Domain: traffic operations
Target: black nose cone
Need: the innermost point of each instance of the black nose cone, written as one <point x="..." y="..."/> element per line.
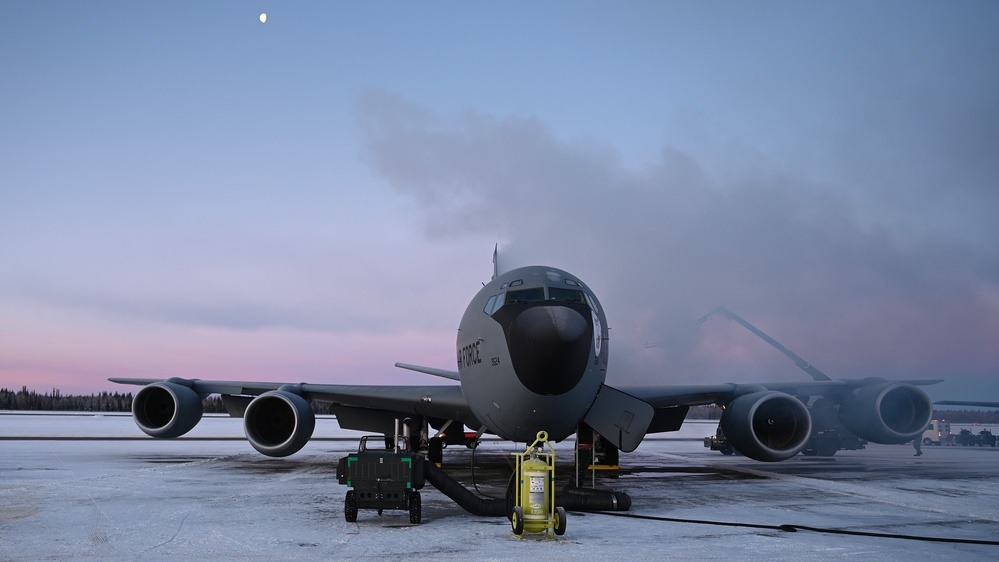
<point x="549" y="345"/>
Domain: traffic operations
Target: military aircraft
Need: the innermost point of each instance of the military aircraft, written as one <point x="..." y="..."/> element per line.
<point x="532" y="354"/>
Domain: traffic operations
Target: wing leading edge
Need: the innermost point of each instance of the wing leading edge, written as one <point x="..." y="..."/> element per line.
<point x="775" y="421"/>
<point x="722" y="394"/>
<point x="362" y="407"/>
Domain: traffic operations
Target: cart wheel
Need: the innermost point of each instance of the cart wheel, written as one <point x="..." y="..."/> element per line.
<point x="350" y="507"/>
<point x="517" y="520"/>
<point x="559" y="521"/>
<point x="415" y="509"/>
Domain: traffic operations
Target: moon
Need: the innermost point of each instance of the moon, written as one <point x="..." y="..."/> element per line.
<point x="263" y="17"/>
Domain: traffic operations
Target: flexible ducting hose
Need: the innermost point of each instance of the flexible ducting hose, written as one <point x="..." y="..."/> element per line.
<point x="570" y="497"/>
<point x="486" y="507"/>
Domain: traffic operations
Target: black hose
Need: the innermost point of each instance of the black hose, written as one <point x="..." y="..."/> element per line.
<point x="462" y="496"/>
<point x="570" y="497"/>
<point x="591" y="499"/>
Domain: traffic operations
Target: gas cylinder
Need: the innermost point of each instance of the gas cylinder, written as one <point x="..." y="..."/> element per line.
<point x="535" y="493"/>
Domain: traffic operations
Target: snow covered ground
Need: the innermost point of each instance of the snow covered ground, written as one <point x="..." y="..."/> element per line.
<point x="126" y="497"/>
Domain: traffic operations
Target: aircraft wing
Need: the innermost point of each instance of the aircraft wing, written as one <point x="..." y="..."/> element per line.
<point x="362" y="407"/>
<point x="682" y="395"/>
<point x="624" y="415"/>
<point x="697" y="395"/>
<point x="774" y="421"/>
<point x="444" y="373"/>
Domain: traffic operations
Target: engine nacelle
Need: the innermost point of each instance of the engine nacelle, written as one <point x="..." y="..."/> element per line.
<point x="767" y="425"/>
<point x="166" y="409"/>
<point x="887" y="413"/>
<point x="279" y="423"/>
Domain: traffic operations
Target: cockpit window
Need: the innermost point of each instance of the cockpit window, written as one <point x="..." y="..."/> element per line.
<point x="565" y="295"/>
<point x="494" y="303"/>
<point x="536" y="294"/>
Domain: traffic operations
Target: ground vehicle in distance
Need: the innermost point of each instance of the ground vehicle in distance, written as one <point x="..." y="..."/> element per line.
<point x="968" y="438"/>
<point x="938" y="433"/>
<point x="986" y="438"/>
<point x="965" y="438"/>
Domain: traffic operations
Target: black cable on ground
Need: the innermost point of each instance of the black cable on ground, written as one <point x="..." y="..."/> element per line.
<point x="472" y="469"/>
<point x="795" y="528"/>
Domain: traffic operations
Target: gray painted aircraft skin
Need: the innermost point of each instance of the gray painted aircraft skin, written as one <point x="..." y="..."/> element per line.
<point x="532" y="354"/>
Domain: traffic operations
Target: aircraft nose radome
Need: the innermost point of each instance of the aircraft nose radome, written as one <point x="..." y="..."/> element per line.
<point x="550" y="346"/>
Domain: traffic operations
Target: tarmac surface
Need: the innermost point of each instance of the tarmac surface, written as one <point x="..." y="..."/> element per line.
<point x="89" y="487"/>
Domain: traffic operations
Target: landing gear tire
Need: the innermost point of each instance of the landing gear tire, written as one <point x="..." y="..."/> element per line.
<point x="350" y="507"/>
<point x="827" y="448"/>
<point x="560" y="521"/>
<point x="517" y="520"/>
<point x="415" y="509"/>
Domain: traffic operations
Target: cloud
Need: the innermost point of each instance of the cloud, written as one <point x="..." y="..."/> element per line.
<point x="663" y="244"/>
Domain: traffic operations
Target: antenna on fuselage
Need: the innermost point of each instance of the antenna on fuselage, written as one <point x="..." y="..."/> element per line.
<point x="495" y="263"/>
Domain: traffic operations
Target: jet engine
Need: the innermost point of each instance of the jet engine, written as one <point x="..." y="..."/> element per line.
<point x="166" y="409"/>
<point x="887" y="413"/>
<point x="279" y="423"/>
<point x="767" y="425"/>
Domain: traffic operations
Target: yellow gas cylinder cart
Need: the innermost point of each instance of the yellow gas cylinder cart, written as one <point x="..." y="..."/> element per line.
<point x="534" y="492"/>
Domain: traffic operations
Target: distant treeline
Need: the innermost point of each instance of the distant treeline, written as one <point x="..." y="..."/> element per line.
<point x="25" y="399"/>
<point x="708" y="412"/>
<point x="990" y="417"/>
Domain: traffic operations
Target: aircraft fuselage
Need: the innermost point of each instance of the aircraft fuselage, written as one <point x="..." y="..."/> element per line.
<point x="532" y="353"/>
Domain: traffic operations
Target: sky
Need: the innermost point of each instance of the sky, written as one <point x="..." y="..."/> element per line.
<point x="186" y="191"/>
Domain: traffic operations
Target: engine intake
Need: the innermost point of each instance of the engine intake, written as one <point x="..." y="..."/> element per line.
<point x="279" y="423"/>
<point x="767" y="426"/>
<point x="887" y="413"/>
<point x="166" y="409"/>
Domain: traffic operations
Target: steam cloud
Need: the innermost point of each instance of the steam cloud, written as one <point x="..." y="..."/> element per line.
<point x="820" y="269"/>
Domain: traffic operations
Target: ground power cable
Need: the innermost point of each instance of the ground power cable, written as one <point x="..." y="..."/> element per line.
<point x="472" y="469"/>
<point x="796" y="528"/>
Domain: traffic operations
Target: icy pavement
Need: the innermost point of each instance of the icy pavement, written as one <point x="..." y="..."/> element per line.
<point x="214" y="497"/>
